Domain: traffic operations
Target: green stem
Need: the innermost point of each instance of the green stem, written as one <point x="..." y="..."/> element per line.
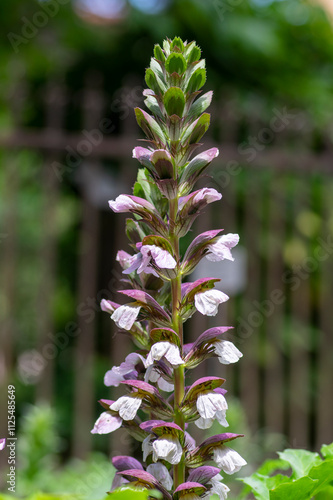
<point x="179" y="375"/>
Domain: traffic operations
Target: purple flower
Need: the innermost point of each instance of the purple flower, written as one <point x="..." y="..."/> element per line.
<point x="117" y="374"/>
<point x="220" y="249"/>
<point x="151" y="255"/>
<point x="106" y="423"/>
<point x="207" y="302"/>
<point x="128" y="203"/>
<point x="2" y="443"/>
<point x="202" y="196"/>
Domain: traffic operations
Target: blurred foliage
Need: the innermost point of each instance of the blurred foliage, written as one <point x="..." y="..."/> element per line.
<point x="308" y="476"/>
<point x="39" y="469"/>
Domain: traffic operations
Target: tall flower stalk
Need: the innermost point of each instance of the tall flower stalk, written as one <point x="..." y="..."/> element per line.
<point x="163" y="208"/>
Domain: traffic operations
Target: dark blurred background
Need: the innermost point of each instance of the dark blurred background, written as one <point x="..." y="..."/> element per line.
<point x="71" y="73"/>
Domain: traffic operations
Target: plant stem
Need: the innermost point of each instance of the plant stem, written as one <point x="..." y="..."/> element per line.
<point x="179" y="378"/>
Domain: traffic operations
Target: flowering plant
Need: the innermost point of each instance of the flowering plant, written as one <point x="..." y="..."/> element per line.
<point x="164" y="207"/>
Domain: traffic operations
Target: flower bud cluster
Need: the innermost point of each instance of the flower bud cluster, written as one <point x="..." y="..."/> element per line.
<point x="157" y="407"/>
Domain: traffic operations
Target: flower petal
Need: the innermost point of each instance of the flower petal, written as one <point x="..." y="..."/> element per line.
<point x="227" y="352"/>
<point x="220" y="249"/>
<point x="207" y="302"/>
<point x="228" y="459"/>
<point x="127" y="406"/>
<point x="209" y="403"/>
<point x="125" y="316"/>
<point x="161" y="473"/>
<point x="167" y="448"/>
<point x="169" y="351"/>
<point x="106" y="423"/>
<point x="2" y="443"/>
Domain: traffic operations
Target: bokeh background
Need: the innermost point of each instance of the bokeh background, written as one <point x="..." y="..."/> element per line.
<point x="71" y="72"/>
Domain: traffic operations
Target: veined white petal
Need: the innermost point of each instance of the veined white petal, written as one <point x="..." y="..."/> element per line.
<point x="218" y="488"/>
<point x="228" y="459"/>
<point x="127" y="406"/>
<point x="204" y="423"/>
<point x="106" y="423"/>
<point x="164" y="385"/>
<point x="162" y="258"/>
<point x="161" y="473"/>
<point x="153" y="375"/>
<point x="208" y="403"/>
<point x="207" y="302"/>
<point x="169" y="351"/>
<point x="147" y="446"/>
<point x="221" y="418"/>
<point x="220" y="250"/>
<point x="167" y="448"/>
<point x="124" y="316"/>
<point x="227" y="352"/>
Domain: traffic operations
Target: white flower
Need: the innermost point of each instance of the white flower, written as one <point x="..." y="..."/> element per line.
<point x="123" y="203"/>
<point x="217" y="488"/>
<point x="147" y="446"/>
<point x="117" y="374"/>
<point x="206" y="423"/>
<point x="153" y="375"/>
<point x="226" y="351"/>
<point x="228" y="459"/>
<point x="125" y="316"/>
<point x="208" y="195"/>
<point x="127" y="406"/>
<point x="151" y="254"/>
<point x="220" y="250"/>
<point x="211" y="405"/>
<point x="168" y="448"/>
<point x="169" y="351"/>
<point x="106" y="423"/>
<point x="207" y="302"/>
<point x="2" y="443"/>
<point x="125" y="259"/>
<point x="161" y="473"/>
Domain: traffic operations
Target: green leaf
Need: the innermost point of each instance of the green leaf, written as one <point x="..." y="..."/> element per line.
<point x="196" y="81"/>
<point x="271" y="466"/>
<point x="327" y="450"/>
<point x="174" y="101"/>
<point x="158" y="53"/>
<point x="175" y="63"/>
<point x="152" y="105"/>
<point x="197" y="129"/>
<point x="301" y="489"/>
<point x="200" y="105"/>
<point x="130" y="493"/>
<point x="146" y="188"/>
<point x="323" y="473"/>
<point x="149" y="125"/>
<point x="258" y="486"/>
<point x="151" y="81"/>
<point x="177" y="42"/>
<point x="194" y="55"/>
<point x="300" y="461"/>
